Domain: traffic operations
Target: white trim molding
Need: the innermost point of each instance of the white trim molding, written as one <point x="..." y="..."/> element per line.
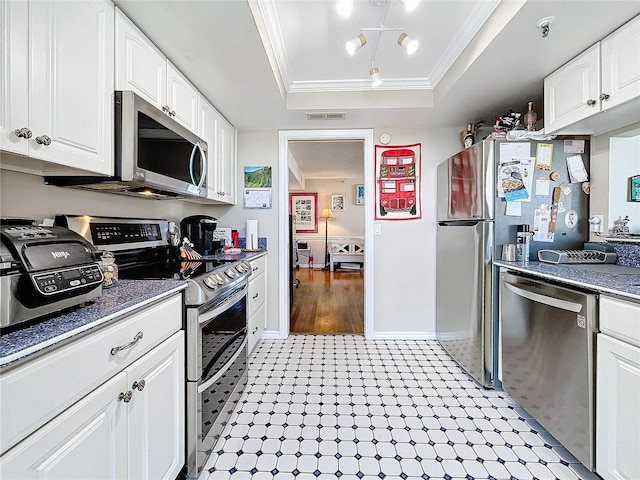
<point x="366" y="135"/>
<point x="404" y="335"/>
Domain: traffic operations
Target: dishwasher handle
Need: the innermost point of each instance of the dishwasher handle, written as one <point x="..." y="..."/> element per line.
<point x="544" y="299"/>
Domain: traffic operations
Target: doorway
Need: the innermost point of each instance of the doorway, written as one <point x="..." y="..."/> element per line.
<point x="366" y="137"/>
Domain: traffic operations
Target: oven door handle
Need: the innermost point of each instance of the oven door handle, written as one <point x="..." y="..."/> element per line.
<point x="223" y="370"/>
<point x="230" y="300"/>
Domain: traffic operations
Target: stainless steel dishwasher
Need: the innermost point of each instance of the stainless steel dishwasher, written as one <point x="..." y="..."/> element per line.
<point x="548" y="358"/>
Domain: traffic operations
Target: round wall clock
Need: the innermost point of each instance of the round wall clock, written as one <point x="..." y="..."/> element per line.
<point x="385" y="138"/>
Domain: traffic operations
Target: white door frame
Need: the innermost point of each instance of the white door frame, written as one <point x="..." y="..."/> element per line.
<point x="366" y="135"/>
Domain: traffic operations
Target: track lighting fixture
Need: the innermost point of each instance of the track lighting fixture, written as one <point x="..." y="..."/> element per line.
<point x="356" y="43"/>
<point x="408" y="43"/>
<point x="410" y="5"/>
<point x="376" y="80"/>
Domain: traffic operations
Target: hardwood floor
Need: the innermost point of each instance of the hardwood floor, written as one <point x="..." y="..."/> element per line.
<point x="328" y="302"/>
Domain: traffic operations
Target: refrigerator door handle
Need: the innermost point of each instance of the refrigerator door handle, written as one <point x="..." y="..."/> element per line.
<point x="544" y="299"/>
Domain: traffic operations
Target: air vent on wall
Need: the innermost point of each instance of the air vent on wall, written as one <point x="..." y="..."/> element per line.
<point x="326" y="116"/>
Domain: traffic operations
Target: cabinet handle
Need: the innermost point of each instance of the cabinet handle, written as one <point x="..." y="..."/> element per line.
<point x="166" y="109"/>
<point x="604" y="96"/>
<point x="254" y="269"/>
<point x="139" y="385"/>
<point x="591" y="102"/>
<point x="173" y="113"/>
<point x="135" y="340"/>
<point x="43" y="140"/>
<point x="23" y="132"/>
<point x="125" y="396"/>
<point x="255" y="296"/>
<point x="254" y="331"/>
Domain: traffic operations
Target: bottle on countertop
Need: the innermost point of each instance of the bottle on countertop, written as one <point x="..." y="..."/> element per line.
<point x="469" y="137"/>
<point x="109" y="270"/>
<point x="523" y="243"/>
<point x="530" y="118"/>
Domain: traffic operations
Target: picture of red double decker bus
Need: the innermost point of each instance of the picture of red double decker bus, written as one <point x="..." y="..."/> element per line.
<point x="397" y="181"/>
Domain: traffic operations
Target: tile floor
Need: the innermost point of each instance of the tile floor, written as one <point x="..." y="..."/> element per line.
<point x="327" y="407"/>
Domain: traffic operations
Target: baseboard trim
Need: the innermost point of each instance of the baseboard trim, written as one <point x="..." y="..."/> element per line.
<point x="404" y="336"/>
<point x="275" y="334"/>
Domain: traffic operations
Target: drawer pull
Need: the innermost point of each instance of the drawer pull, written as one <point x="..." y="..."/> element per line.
<point x="254" y="269"/>
<point x="254" y="331"/>
<point x="591" y="102"/>
<point x="125" y="396"/>
<point x="255" y="296"/>
<point x="136" y="339"/>
<point x="139" y="385"/>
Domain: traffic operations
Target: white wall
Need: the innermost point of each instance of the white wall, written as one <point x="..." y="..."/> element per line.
<point x="348" y="223"/>
<point x="624" y="162"/>
<point x="405" y="251"/>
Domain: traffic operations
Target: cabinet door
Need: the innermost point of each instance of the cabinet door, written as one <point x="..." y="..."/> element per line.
<point x="71" y="83"/>
<point x="182" y="98"/>
<point x="89" y="441"/>
<point x="228" y="162"/>
<point x="140" y="66"/>
<point x="156" y="412"/>
<point x="617" y="413"/>
<point x="256" y="326"/>
<point x="14" y="81"/>
<point x="571" y="93"/>
<point x="208" y="127"/>
<point x="621" y="65"/>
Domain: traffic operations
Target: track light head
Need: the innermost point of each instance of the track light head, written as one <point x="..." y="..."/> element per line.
<point x="376" y="80"/>
<point x="408" y="43"/>
<point x="410" y="5"/>
<point x="355" y="44"/>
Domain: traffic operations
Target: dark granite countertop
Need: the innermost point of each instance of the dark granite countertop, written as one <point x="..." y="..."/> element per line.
<point x="126" y="296"/>
<point x="616" y="280"/>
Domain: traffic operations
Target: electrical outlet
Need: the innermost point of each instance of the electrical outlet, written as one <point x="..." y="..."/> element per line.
<point x="596" y="223"/>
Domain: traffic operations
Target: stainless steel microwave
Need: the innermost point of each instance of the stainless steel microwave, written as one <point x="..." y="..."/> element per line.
<point x="155" y="156"/>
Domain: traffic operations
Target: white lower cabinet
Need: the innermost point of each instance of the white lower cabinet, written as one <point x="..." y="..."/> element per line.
<point x="132" y="426"/>
<point x="618" y="391"/>
<point x="87" y="441"/>
<point x="256" y="300"/>
<point x="95" y="411"/>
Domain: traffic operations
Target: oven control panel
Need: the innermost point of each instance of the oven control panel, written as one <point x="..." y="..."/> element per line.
<point x="59" y="281"/>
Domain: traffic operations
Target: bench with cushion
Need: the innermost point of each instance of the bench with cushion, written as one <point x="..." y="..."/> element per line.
<point x="345" y="250"/>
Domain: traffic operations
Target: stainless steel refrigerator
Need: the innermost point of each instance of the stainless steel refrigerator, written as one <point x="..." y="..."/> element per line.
<point x="473" y="226"/>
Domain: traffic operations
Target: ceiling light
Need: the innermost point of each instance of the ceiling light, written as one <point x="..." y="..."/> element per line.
<point x="356" y="43"/>
<point x="376" y="80"/>
<point x="410" y="5"/>
<point x="408" y="43"/>
<point x="344" y="7"/>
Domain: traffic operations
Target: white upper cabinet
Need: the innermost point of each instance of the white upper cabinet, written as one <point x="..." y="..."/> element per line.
<point x="221" y="141"/>
<point x="579" y="97"/>
<point x="621" y="65"/>
<point x="571" y="93"/>
<point x="57" y="88"/>
<point x="144" y="69"/>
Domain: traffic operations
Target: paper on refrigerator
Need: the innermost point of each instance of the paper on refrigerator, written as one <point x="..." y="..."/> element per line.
<point x="515" y="180"/>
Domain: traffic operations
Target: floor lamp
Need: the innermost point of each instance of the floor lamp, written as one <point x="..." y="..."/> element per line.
<point x="326" y="214"/>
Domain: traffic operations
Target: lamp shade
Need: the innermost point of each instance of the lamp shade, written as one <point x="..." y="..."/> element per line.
<point x="326" y="213"/>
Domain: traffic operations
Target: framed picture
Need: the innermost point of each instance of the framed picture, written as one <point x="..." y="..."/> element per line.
<point x="634" y="188"/>
<point x="337" y="202"/>
<point x="358" y="194"/>
<point x="304" y="208"/>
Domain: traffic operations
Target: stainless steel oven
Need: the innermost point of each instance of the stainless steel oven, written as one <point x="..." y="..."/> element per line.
<point x="216" y="366"/>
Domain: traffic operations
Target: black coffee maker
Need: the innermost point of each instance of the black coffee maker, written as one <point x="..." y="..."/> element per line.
<point x="199" y="229"/>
